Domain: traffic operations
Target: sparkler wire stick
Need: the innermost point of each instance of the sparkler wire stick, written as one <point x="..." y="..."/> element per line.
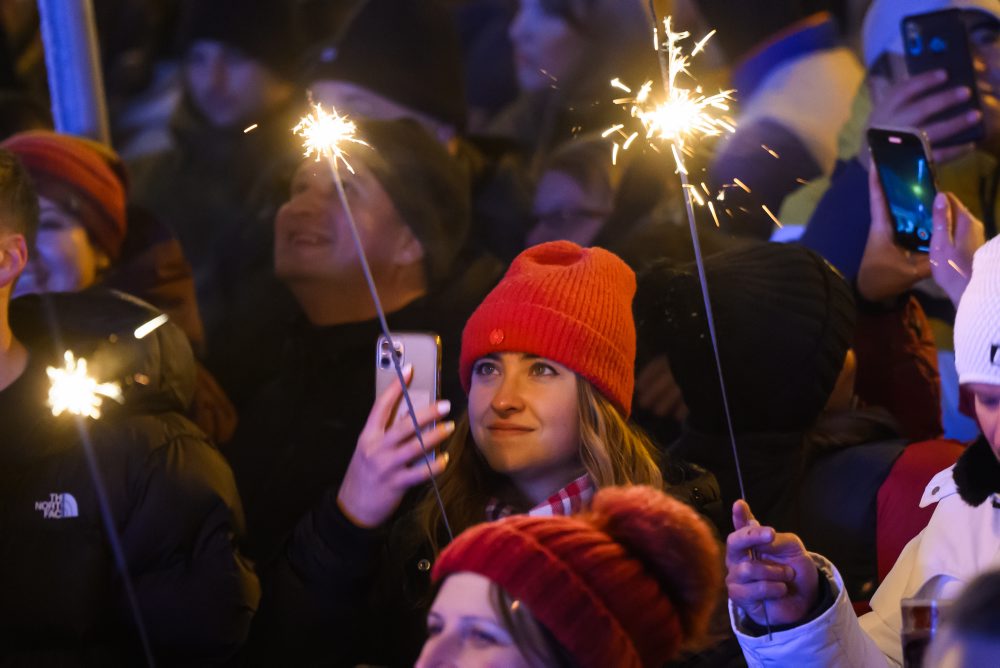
<point x="334" y="153"/>
<point x="104" y="503"/>
<point x="667" y="59"/>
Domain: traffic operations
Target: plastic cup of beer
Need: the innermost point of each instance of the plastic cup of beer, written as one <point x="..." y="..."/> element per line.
<point x="921" y="619"/>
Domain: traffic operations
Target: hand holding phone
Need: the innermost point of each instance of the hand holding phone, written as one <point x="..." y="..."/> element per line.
<point x="423" y="351"/>
<point x="939" y="41"/>
<point x="906" y="174"/>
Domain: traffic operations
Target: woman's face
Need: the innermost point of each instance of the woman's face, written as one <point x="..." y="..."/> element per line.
<point x="64" y="259"/>
<point x="463" y="629"/>
<point x="988" y="412"/>
<point x="525" y="419"/>
<point x="547" y="49"/>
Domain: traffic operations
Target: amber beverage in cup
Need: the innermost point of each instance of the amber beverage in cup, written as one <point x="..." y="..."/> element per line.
<point x="921" y="618"/>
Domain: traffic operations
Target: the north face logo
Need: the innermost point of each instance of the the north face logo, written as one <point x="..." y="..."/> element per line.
<point x="59" y="506"/>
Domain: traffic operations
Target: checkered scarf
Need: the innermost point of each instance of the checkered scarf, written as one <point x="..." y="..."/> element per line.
<point x="569" y="500"/>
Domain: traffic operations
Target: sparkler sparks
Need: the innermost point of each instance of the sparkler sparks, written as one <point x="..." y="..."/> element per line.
<point x="680" y="115"/>
<point x="73" y="391"/>
<point x="326" y="135"/>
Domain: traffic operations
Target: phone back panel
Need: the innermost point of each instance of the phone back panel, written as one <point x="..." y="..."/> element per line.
<point x="939" y="41"/>
<point x="423" y="351"/>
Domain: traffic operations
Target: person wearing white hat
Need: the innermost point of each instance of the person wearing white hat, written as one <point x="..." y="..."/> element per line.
<point x="801" y="594"/>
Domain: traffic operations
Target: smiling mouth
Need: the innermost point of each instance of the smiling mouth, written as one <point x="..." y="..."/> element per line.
<point x="509" y="429"/>
<point x="308" y="239"/>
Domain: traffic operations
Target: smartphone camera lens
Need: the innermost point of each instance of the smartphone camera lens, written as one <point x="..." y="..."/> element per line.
<point x="914" y="42"/>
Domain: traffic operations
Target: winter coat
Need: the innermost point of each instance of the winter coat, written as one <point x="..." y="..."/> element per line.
<point x="172" y="499"/>
<point x="960" y="542"/>
<point x="297" y="436"/>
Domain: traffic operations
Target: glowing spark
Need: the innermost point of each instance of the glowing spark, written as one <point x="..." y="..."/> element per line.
<point x="741" y="184"/>
<point x="695" y="195"/>
<point x="774" y="154"/>
<point x="628" y="142"/>
<point x="954" y="266"/>
<point x="144" y="330"/>
<point x="325" y="135"/>
<point x="680" y="114"/>
<point x="617" y="83"/>
<point x="772" y="216"/>
<point x="705" y="188"/>
<point x="250" y="128"/>
<point x="700" y="46"/>
<point x="614" y="153"/>
<point x="715" y="216"/>
<point x="73" y="391"/>
<point x="610" y="131"/>
<point x="802" y="182"/>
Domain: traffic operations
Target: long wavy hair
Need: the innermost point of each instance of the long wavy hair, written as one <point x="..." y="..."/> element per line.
<point x="613" y="451"/>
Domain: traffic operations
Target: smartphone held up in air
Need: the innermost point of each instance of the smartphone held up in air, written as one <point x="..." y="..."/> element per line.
<point x="423" y="351"/>
<point x="906" y="173"/>
<point x="940" y="41"/>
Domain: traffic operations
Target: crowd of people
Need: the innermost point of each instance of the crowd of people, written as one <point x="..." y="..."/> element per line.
<point x="610" y="403"/>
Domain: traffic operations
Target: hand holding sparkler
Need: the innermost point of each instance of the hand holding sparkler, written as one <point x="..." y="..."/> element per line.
<point x="327" y="135"/>
<point x="771" y="576"/>
<point x="74" y="391"/>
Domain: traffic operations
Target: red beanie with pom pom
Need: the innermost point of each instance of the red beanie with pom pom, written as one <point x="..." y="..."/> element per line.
<point x="569" y="304"/>
<point x="629" y="583"/>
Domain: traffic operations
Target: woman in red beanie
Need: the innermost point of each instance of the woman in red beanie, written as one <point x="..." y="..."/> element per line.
<point x="629" y="584"/>
<point x="547" y="361"/>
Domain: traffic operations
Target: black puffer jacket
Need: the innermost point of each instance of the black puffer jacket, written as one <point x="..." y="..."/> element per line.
<point x="172" y="498"/>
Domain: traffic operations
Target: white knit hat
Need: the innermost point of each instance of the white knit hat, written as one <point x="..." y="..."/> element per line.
<point x="881" y="31"/>
<point x="977" y="325"/>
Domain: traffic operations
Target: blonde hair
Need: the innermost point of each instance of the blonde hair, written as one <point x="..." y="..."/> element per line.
<point x="613" y="451"/>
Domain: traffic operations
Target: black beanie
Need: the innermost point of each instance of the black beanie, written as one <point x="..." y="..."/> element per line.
<point x="262" y="29"/>
<point x="744" y="25"/>
<point x="405" y="50"/>
<point x="784" y="320"/>
<point x="428" y="187"/>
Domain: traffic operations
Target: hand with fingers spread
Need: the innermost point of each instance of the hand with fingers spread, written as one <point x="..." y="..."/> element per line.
<point x="911" y="104"/>
<point x="887" y="270"/>
<point x="957" y="237"/>
<point x="387" y="462"/>
<point x="781" y="576"/>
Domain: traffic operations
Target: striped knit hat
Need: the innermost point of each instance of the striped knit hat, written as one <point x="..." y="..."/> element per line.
<point x="977" y="324"/>
<point x="565" y="303"/>
<point x="628" y="584"/>
<point x="77" y="174"/>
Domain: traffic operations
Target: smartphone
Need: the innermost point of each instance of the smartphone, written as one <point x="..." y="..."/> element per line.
<point x="940" y="41"/>
<point x="423" y="351"/>
<point x="906" y="174"/>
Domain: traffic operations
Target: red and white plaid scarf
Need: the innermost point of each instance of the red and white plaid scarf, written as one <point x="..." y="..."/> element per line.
<point x="569" y="500"/>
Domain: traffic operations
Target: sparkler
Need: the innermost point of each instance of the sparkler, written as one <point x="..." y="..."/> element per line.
<point x="328" y="136"/>
<point x="681" y="116"/>
<point x="74" y="391"/>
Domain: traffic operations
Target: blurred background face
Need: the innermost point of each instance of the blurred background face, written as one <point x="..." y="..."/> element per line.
<point x="564" y="209"/>
<point x="64" y="259"/>
<point x="463" y="629"/>
<point x="984" y="36"/>
<point x="228" y="87"/>
<point x="312" y="237"/>
<point x="524" y="416"/>
<point x="548" y="50"/>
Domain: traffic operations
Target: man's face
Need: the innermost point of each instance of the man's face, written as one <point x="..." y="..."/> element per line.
<point x="312" y="237"/>
<point x="228" y="87"/>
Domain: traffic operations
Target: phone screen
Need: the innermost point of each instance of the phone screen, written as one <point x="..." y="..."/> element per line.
<point x="907" y="179"/>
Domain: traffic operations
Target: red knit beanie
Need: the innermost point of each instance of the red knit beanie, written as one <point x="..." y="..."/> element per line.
<point x="569" y="304"/>
<point x="628" y="584"/>
<point x="71" y="172"/>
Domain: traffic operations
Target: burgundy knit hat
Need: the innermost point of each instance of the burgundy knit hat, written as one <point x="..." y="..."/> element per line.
<point x="569" y="304"/>
<point x="71" y="171"/>
<point x="628" y="584"/>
